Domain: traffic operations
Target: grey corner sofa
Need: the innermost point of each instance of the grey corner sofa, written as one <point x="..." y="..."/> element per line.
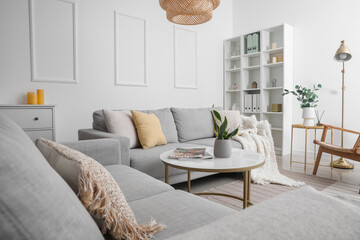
<point x="37" y="204"/>
<point x="182" y="127"/>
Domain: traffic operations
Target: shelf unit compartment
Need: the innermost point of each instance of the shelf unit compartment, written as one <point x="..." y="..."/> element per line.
<point x="272" y="75"/>
<point x="271" y="97"/>
<point x="232" y="78"/>
<point x="249" y="77"/>
<point x="273" y="35"/>
<point x="235" y="64"/>
<point x="268" y="57"/>
<point x="232" y="48"/>
<point x="231" y="99"/>
<point x="251" y="61"/>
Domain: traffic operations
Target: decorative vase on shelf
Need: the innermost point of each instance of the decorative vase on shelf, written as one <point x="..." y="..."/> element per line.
<point x="222" y="148"/>
<point x="309" y="116"/>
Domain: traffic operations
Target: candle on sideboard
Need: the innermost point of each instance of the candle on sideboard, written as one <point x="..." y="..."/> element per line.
<point x="31" y="96"/>
<point x="40" y="96"/>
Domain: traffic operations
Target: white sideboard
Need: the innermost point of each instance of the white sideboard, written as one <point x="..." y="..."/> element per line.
<point x="36" y="120"/>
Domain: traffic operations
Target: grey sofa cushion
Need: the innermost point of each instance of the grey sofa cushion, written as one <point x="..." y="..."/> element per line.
<point x="34" y="199"/>
<point x="165" y="117"/>
<point x="193" y="123"/>
<point x="136" y="185"/>
<point x="210" y="142"/>
<point x="180" y="211"/>
<point x="148" y="160"/>
<point x="300" y="214"/>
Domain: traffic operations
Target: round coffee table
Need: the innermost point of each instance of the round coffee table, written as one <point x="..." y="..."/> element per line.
<point x="240" y="161"/>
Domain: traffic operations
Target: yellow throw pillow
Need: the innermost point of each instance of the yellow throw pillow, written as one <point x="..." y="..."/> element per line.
<point x="148" y="128"/>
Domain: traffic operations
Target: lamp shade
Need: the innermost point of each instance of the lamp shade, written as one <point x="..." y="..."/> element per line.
<point x="343" y="53"/>
<point x="189" y="12"/>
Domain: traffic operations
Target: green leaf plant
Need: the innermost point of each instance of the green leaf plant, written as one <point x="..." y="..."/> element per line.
<point x="221" y="130"/>
<point x="306" y="96"/>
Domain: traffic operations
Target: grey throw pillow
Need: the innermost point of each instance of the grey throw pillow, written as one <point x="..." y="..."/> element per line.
<point x="121" y="123"/>
<point x="192" y="124"/>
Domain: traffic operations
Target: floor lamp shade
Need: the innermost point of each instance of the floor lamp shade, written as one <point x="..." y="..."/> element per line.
<point x="343" y="53"/>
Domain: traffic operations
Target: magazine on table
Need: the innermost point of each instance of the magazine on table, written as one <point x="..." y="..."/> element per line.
<point x="190" y="153"/>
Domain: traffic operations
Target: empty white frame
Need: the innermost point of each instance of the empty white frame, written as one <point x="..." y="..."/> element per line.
<point x="53" y="40"/>
<point x="130" y="50"/>
<point x="185" y="54"/>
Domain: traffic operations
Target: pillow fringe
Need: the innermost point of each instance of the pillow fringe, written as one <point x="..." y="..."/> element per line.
<point x="95" y="201"/>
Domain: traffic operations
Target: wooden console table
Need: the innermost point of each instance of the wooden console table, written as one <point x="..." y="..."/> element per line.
<point x="300" y="126"/>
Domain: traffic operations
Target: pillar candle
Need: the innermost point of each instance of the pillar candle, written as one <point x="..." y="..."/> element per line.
<point x="31" y="96"/>
<point x="40" y="96"/>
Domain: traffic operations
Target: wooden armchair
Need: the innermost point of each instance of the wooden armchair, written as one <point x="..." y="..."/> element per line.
<point x="349" y="153"/>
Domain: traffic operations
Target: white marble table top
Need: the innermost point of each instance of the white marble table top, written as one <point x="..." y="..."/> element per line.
<point x="240" y="160"/>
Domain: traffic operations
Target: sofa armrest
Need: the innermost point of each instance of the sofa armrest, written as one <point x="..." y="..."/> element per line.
<point x="86" y="134"/>
<point x="105" y="151"/>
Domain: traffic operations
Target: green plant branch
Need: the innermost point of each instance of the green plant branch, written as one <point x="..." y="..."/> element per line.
<point x="306" y="96"/>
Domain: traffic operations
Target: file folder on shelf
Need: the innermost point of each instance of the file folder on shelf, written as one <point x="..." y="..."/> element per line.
<point x="247" y="103"/>
<point x="254" y="103"/>
<point x="249" y="44"/>
<point x="257" y="102"/>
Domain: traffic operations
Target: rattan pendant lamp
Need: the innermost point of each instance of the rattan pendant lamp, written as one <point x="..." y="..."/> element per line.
<point x="189" y="12"/>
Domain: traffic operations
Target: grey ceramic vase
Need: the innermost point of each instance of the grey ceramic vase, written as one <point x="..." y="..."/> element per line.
<point x="222" y="148"/>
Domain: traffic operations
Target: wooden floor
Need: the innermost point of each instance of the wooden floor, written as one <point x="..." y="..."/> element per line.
<point x="337" y="182"/>
<point x="342" y="175"/>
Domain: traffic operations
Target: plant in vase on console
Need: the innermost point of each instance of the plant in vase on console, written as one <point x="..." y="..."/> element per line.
<point x="222" y="146"/>
<point x="308" y="101"/>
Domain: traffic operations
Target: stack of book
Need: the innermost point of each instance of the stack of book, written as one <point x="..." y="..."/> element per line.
<point x="190" y="153"/>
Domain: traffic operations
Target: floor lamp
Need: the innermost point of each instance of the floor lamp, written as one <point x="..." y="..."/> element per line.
<point x="343" y="55"/>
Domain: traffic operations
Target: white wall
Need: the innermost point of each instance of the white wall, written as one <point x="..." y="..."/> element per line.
<point x="96" y="89"/>
<point x="319" y="26"/>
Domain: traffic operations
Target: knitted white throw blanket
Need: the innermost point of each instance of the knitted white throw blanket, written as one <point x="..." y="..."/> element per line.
<point x="259" y="139"/>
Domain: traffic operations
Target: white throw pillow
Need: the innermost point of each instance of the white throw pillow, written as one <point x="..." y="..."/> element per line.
<point x="235" y="120"/>
<point x="121" y="123"/>
<point x="233" y="117"/>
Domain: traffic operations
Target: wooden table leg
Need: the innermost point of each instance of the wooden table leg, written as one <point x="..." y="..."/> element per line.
<point x="332" y="141"/>
<point x="246" y="189"/>
<point x="315" y="147"/>
<point x="249" y="184"/>
<point x="166" y="174"/>
<point x="189" y="181"/>
<point x="291" y="149"/>
<point x="306" y="132"/>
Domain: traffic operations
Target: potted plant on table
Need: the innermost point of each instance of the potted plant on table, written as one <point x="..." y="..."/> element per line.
<point x="308" y="101"/>
<point x="222" y="146"/>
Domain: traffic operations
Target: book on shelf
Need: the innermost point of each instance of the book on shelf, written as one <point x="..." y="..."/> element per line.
<point x="190" y="153"/>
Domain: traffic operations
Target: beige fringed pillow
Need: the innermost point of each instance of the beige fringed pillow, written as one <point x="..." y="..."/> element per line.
<point x="97" y="191"/>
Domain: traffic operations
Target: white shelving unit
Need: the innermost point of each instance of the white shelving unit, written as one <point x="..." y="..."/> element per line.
<point x="243" y="69"/>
